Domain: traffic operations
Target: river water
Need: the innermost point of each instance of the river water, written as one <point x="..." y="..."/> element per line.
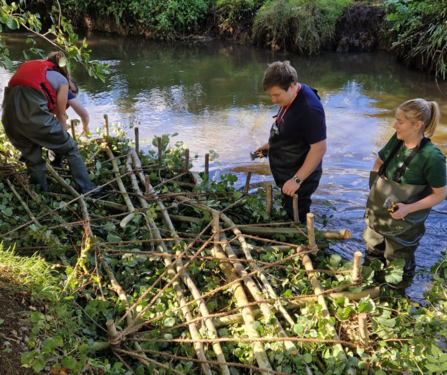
<point x="211" y="94"/>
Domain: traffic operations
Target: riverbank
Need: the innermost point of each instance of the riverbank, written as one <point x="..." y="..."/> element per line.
<point x="414" y="34"/>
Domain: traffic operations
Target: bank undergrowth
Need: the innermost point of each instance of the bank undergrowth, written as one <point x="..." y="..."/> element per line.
<point x="298" y="25"/>
<point x="417" y="33"/>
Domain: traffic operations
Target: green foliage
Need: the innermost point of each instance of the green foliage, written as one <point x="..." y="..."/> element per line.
<point x="298" y="25"/>
<point x="161" y="19"/>
<point x="60" y="35"/>
<point x="418" y="32"/>
<point x="230" y="11"/>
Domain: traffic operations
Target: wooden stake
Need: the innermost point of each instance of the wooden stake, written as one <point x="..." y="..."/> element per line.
<point x="311" y="232"/>
<point x="137" y="140"/>
<point x="357" y="269"/>
<point x="363" y="329"/>
<point x="159" y="149"/>
<point x="146" y="184"/>
<point x="216" y="217"/>
<point x="295" y="209"/>
<point x="106" y="126"/>
<point x="247" y="183"/>
<point x="186" y="167"/>
<point x="207" y="164"/>
<point x="268" y="199"/>
<point x="73" y="129"/>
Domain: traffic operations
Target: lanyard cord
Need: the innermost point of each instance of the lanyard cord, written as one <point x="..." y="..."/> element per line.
<point x="280" y="114"/>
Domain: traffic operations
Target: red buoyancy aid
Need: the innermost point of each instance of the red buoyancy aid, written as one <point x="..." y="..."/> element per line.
<point x="34" y="74"/>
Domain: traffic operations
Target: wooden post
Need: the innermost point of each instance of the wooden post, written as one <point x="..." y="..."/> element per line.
<point x="311" y="232"/>
<point x="114" y="338"/>
<point x="216" y="217"/>
<point x="159" y="149"/>
<point x="247" y="183"/>
<point x="106" y="126"/>
<point x="186" y="167"/>
<point x="268" y="199"/>
<point x="73" y="129"/>
<point x="363" y="329"/>
<point x="137" y="141"/>
<point x="207" y="164"/>
<point x="146" y="184"/>
<point x="295" y="209"/>
<point x="357" y="269"/>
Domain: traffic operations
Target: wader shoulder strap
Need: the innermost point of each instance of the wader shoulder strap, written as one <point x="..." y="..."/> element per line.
<point x="384" y="166"/>
<point x="398" y="173"/>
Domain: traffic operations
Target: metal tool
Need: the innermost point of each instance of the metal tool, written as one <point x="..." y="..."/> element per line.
<point x="259" y="154"/>
<point x="391" y="206"/>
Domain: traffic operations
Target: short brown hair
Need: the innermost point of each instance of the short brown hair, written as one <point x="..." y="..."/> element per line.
<point x="280" y="74"/>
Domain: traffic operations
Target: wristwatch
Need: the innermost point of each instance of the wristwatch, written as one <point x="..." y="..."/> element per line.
<point x="297" y="180"/>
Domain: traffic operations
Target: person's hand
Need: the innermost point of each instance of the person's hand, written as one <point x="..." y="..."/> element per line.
<point x="262" y="148"/>
<point x="290" y="187"/>
<point x="401" y="212"/>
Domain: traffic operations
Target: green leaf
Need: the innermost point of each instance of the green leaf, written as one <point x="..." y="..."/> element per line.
<point x="256" y="326"/>
<point x="38" y="364"/>
<point x="69" y="362"/>
<point x="27" y="357"/>
<point x="1" y="321"/>
<point x="169" y="322"/>
<point x="36" y="316"/>
<point x="53" y="343"/>
<point x="380" y="372"/>
<point x="366" y="305"/>
<point x="113" y="238"/>
<point x="62" y="62"/>
<point x="12" y="23"/>
<point x="307" y="358"/>
<point x="8" y="212"/>
<point x="387" y="322"/>
<point x="433" y="368"/>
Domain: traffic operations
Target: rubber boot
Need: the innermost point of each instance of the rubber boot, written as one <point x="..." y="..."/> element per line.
<point x="79" y="173"/>
<point x="55" y="159"/>
<point x="39" y="179"/>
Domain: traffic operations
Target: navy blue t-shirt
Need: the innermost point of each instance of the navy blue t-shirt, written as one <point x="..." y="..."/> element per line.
<point x="303" y="124"/>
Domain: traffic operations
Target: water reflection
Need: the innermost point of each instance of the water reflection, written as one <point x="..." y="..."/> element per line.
<point x="211" y="94"/>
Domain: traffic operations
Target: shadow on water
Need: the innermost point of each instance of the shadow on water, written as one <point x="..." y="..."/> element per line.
<point x="211" y="94"/>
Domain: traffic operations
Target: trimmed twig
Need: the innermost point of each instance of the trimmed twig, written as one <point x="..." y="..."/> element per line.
<point x="247" y="183"/>
<point x="137" y="140"/>
<point x="159" y="150"/>
<point x="357" y="271"/>
<point x="363" y="329"/>
<point x="116" y="206"/>
<point x="207" y="164"/>
<point x="241" y="298"/>
<point x="342" y="234"/>
<point x="106" y="127"/>
<point x="311" y="232"/>
<point x="268" y="199"/>
<point x="295" y="209"/>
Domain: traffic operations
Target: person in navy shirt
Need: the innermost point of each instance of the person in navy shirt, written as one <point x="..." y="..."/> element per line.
<point x="297" y="141"/>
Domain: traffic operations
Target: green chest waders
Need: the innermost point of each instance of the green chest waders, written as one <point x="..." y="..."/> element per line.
<point x="386" y="238"/>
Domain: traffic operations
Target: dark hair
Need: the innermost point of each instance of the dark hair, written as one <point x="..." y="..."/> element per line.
<point x="421" y="110"/>
<point x="54" y="58"/>
<point x="280" y="74"/>
<point x="73" y="85"/>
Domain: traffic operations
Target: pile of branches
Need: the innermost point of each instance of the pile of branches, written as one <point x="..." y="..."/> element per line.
<point x="231" y="288"/>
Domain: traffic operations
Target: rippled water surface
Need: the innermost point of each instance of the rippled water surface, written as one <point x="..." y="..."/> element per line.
<point x="211" y="94"/>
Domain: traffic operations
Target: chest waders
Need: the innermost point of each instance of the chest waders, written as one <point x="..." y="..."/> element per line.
<point x="285" y="158"/>
<point x="388" y="239"/>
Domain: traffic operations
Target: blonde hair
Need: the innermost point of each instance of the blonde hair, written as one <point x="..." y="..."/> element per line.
<point x="421" y="110"/>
